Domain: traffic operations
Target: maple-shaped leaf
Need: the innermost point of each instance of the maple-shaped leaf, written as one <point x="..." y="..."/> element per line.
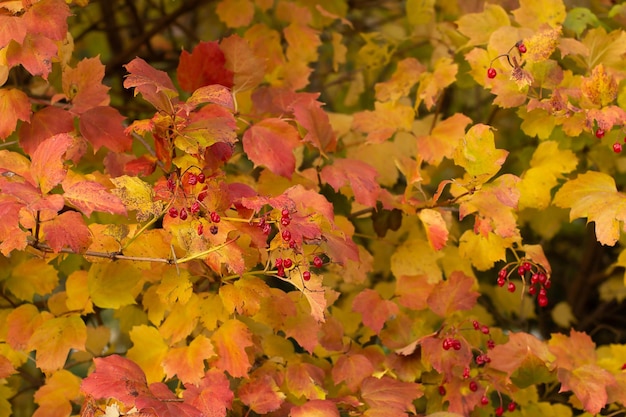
<point x="319" y="132"/>
<point x="478" y="27"/>
<point x="520" y="349"/>
<point x="21" y="325"/>
<point x="215" y="93"/>
<point x="302" y="326"/>
<point x="416" y="257"/>
<point x="600" y="88"/>
<point x="11" y="234"/>
<point x="360" y="176"/>
<point x="32" y="277"/>
<point x="67" y="230"/>
<point x="315" y="408"/>
<point x="589" y="383"/>
<point x="404" y="78"/>
<point x="436" y="228"/>
<point x="483" y="250"/>
<point x="594" y="195"/>
<point x="374" y="309"/>
<point x="163" y="402"/>
<point x="413" y="291"/>
<point x="54" y="340"/>
<point x="181" y="320"/>
<point x="271" y="143"/>
<point x="454" y="294"/>
<point x="48" y="18"/>
<point x="212" y="395"/>
<point x="148" y="351"/>
<point x="305" y="380"/>
<point x="116" y="377"/>
<point x="248" y="69"/>
<point x="443" y="140"/>
<point x="12" y="28"/>
<point x="6" y="367"/>
<point x="83" y="85"/>
<point x="303" y="40"/>
<point x="102" y="126"/>
<point x="352" y="369"/>
<point x="54" y="398"/>
<point x="571" y="352"/>
<point x="137" y="195"/>
<point x="113" y="285"/>
<point x="245" y="295"/>
<point x="43" y="124"/>
<point x="47" y="165"/>
<point x="155" y="86"/>
<point x="90" y="196"/>
<point x="231" y="340"/>
<point x="385" y="120"/>
<point x="204" y="66"/>
<point x="35" y="54"/>
<point x="534" y="13"/>
<point x="236" y="13"/>
<point x="432" y="85"/>
<point x="14" y="106"/>
<point x="261" y="394"/>
<point x="390" y="393"/>
<point x="477" y="152"/>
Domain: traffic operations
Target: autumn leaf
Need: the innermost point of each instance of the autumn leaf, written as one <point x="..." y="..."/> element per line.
<point x="443" y="140"/>
<point x="248" y="69"/>
<point x="204" y="66"/>
<point x="319" y="132"/>
<point x="572" y="351"/>
<point x="54" y="398"/>
<point x="600" y="88"/>
<point x="315" y="408"/>
<point x="116" y="377"/>
<point x="102" y="126"/>
<point x="352" y="369"/>
<point x="534" y="13"/>
<point x="260" y="140"/>
<point x="137" y="195"/>
<point x="589" y="383"/>
<point x="594" y="195"/>
<point x="236" y="13"/>
<point x="32" y="277"/>
<point x="21" y="325"/>
<point x="431" y="85"/>
<point x="83" y="85"/>
<point x="12" y="28"/>
<point x="390" y="393"/>
<point x="436" y="228"/>
<point x="413" y="291"/>
<point x="483" y="250"/>
<point x="148" y="351"/>
<point x="360" y="176"/>
<point x="212" y="395"/>
<point x="520" y="350"/>
<point x="404" y="78"/>
<point x="261" y="394"/>
<point x="163" y="402"/>
<point x="113" y="285"/>
<point x="244" y="296"/>
<point x="215" y="93"/>
<point x="477" y="152"/>
<point x="385" y="120"/>
<point x="454" y="294"/>
<point x="90" y="196"/>
<point x="48" y="18"/>
<point x="478" y="27"/>
<point x="67" y="230"/>
<point x="231" y="340"/>
<point x="45" y="123"/>
<point x="54" y="340"/>
<point x="155" y="86"/>
<point x="47" y="166"/>
<point x="14" y="106"/>
<point x="35" y="54"/>
<point x="305" y="380"/>
<point x="374" y="309"/>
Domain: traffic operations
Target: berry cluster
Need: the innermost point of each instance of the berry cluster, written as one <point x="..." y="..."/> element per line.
<point x="451" y="343"/>
<point x="539" y="280"/>
<point x="521" y="48"/>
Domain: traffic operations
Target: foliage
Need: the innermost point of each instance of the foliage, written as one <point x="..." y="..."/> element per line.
<point x="316" y="208"/>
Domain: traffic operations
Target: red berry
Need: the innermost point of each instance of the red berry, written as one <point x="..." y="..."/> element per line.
<point x="202" y="194"/>
<point x="285" y="221"/>
<point x="600" y="133"/>
<point x="617" y="147"/>
<point x="287" y="263"/>
<point x="213" y="229"/>
<point x="502" y="273"/>
<point x="466" y="373"/>
<point x="499" y="411"/>
<point x="201" y="178"/>
<point x="511" y="406"/>
<point x="171" y="184"/>
<point x="473" y="386"/>
<point x="278" y="262"/>
<point x="442" y="390"/>
<point x="192" y="179"/>
<point x="480" y="360"/>
<point x="542" y="278"/>
<point x="491" y="344"/>
<point x="532" y="290"/>
<point x="456" y="344"/>
<point x="521" y="48"/>
<point x="306" y="275"/>
<point x="317" y="262"/>
<point x="200" y="229"/>
<point x="484" y="329"/>
<point x="501" y="281"/>
<point x="183" y="213"/>
<point x="623" y="366"/>
<point x="491" y="72"/>
<point x="173" y="212"/>
<point x="284" y="213"/>
<point x="195" y="207"/>
<point x="547" y="285"/>
<point x="542" y="300"/>
<point x="511" y="287"/>
<point x="215" y="218"/>
<point x="446" y="344"/>
<point x="292" y="243"/>
<point x="484" y="400"/>
<point x="476" y="324"/>
<point x="521" y="271"/>
<point x="267" y="228"/>
<point x="286" y="235"/>
<point x="527" y="266"/>
<point x="280" y="271"/>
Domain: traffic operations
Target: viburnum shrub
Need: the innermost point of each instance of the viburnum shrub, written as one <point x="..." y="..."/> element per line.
<point x="323" y="208"/>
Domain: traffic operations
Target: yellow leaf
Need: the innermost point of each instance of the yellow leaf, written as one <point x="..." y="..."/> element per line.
<point x="593" y="195"/>
<point x="181" y="320"/>
<point x="478" y="27"/>
<point x="32" y="277"/>
<point x="137" y="195"/>
<point x="604" y="48"/>
<point x="76" y="287"/>
<point x="114" y="284"/>
<point x="443" y="140"/>
<point x="235" y="13"/>
<point x="534" y="13"/>
<point x="54" y="340"/>
<point x="436" y="228"/>
<point x="478" y="153"/>
<point x="148" y="351"/>
<point x="406" y="75"/>
<point x="175" y="287"/>
<point x="416" y="257"/>
<point x="386" y="118"/>
<point x="600" y="88"/>
<point x="420" y="12"/>
<point x="483" y="251"/>
<point x="431" y="85"/>
<point x="542" y="44"/>
<point x="6" y="393"/>
<point x="54" y="398"/>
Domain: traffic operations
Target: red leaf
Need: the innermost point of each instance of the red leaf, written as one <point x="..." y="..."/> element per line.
<point x="454" y="294"/>
<point x="83" y="85"/>
<point x="48" y="18"/>
<point x="47" y="164"/>
<point x="390" y="393"/>
<point x="45" y="123"/>
<point x="90" y="196"/>
<point x="271" y="143"/>
<point x="203" y="66"/>
<point x="102" y="126"/>
<point x="320" y="133"/>
<point x="68" y="229"/>
<point x="262" y="395"/>
<point x="164" y="403"/>
<point x="315" y="408"/>
<point x="212" y="396"/>
<point x="374" y="309"/>
<point x="116" y="377"/>
<point x="11" y="235"/>
<point x="14" y="106"/>
<point x="155" y="86"/>
<point x="35" y="54"/>
<point x="360" y="176"/>
<point x="11" y="28"/>
<point x="247" y="68"/>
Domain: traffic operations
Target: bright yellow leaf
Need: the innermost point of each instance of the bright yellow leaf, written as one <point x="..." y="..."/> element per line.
<point x="420" y="12"/>
<point x="478" y="27"/>
<point x="534" y="13"/>
<point x="114" y="284"/>
<point x="416" y="257"/>
<point x="593" y="195"/>
<point x="175" y="287"/>
<point x="600" y="88"/>
<point x="32" y="277"/>
<point x="181" y="320"/>
<point x="54" y="398"/>
<point x="483" y="251"/>
<point x="77" y="290"/>
<point x="137" y="195"/>
<point x="148" y="351"/>
<point x="478" y="153"/>
<point x="6" y="393"/>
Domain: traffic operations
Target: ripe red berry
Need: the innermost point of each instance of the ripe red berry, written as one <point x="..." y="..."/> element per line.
<point x="521" y="48"/>
<point x="527" y="266"/>
<point x="499" y="411"/>
<point x="183" y="213"/>
<point x="317" y="262"/>
<point x="491" y="344"/>
<point x="195" y="207"/>
<point x="547" y="285"/>
<point x="456" y="344"/>
<point x="473" y="386"/>
<point x="284" y="213"/>
<point x="491" y="72"/>
<point x="532" y="290"/>
<point x="278" y="262"/>
<point x="542" y="278"/>
<point x="511" y="406"/>
<point x="600" y="133"/>
<point x="267" y="228"/>
<point x="442" y="390"/>
<point x="171" y="184"/>
<point x="542" y="300"/>
<point x="501" y="281"/>
<point x="215" y="218"/>
<point x="292" y="243"/>
<point x="617" y="147"/>
<point x="476" y="324"/>
<point x="213" y="229"/>
<point x="192" y="179"/>
<point x="287" y="263"/>
<point x="447" y="343"/>
<point x="286" y="235"/>
<point x="285" y="221"/>
<point x="202" y="194"/>
<point x="306" y="275"/>
<point x="484" y="400"/>
<point x="466" y="373"/>
<point x="511" y="287"/>
<point x="280" y="271"/>
<point x="503" y="273"/>
<point x="521" y="271"/>
<point x="484" y="329"/>
<point x="200" y="229"/>
<point x="173" y="212"/>
<point x="201" y="178"/>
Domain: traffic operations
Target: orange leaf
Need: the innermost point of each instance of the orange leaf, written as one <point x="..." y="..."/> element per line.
<point x="413" y="291"/>
<point x="54" y="340"/>
<point x="374" y="309"/>
<point x="521" y="347"/>
<point x="271" y="143"/>
<point x="47" y="165"/>
<point x="22" y="323"/>
<point x="571" y="352"/>
<point x="248" y="69"/>
<point x="235" y="14"/>
<point x="11" y="28"/>
<point x="83" y="85"/>
<point x="390" y="393"/>
<point x="401" y="82"/>
<point x="231" y="340"/>
<point x="188" y="362"/>
<point x="262" y="395"/>
<point x="14" y="106"/>
<point x="35" y="54"/>
<point x="319" y="132"/>
<point x="352" y="368"/>
<point x="455" y="293"/>
<point x="588" y="383"/>
<point x="381" y="123"/>
<point x="445" y="361"/>
<point x="444" y="138"/>
<point x="68" y="229"/>
<point x="436" y="228"/>
<point x="360" y="176"/>
<point x="48" y="18"/>
<point x="315" y="408"/>
<point x="212" y="395"/>
<point x="54" y="398"/>
<point x="305" y="380"/>
<point x="244" y="296"/>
